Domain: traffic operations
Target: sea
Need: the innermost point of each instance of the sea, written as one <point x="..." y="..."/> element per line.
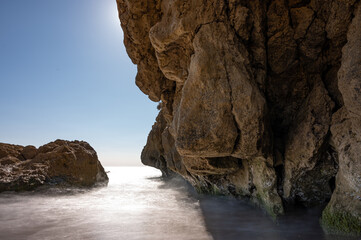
<point x="139" y="204"/>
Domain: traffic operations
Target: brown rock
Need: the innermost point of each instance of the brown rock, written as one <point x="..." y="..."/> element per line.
<point x="57" y="163"/>
<point x="9" y="160"/>
<point x="29" y="152"/>
<point x="204" y="123"/>
<point x="346" y="199"/>
<point x="305" y="144"/>
<point x="301" y="19"/>
<point x="9" y="149"/>
<point x="346" y="137"/>
<point x="350" y="71"/>
<point x="282" y="47"/>
<point x="211" y="166"/>
<point x="152" y="154"/>
<point x="248" y="90"/>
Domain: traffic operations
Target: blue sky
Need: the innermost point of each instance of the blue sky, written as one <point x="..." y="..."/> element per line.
<point x="64" y="74"/>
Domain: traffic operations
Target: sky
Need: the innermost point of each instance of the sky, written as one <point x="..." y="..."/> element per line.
<point x="65" y="74"/>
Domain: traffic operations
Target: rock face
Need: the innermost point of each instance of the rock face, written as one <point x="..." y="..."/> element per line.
<point x="57" y="163"/>
<point x="259" y="99"/>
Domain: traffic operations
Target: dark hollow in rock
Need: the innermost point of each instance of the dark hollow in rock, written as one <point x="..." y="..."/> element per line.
<point x="259" y="99"/>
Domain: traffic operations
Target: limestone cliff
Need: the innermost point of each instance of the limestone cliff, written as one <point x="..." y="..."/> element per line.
<point x="68" y="163"/>
<point x="259" y="99"/>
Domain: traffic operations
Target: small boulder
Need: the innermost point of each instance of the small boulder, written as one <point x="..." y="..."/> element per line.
<point x="29" y="152"/>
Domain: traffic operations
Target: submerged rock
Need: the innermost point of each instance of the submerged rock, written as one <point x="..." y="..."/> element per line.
<point x="68" y="163"/>
<point x="259" y="99"/>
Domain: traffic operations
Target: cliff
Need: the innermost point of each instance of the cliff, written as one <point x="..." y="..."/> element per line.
<point x="259" y="99"/>
<point x="59" y="163"/>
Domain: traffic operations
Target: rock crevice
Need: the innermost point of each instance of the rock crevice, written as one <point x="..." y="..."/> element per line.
<point x="259" y="99"/>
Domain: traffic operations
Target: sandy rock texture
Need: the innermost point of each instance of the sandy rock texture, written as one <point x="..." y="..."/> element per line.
<point x="69" y="163"/>
<point x="258" y="99"/>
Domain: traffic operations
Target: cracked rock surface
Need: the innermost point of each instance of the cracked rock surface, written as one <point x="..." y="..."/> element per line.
<point x="68" y="163"/>
<point x="259" y="99"/>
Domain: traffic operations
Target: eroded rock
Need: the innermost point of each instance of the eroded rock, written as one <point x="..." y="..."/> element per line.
<point x="251" y="93"/>
<point x="306" y="147"/>
<point x="344" y="209"/>
<point x="70" y="163"/>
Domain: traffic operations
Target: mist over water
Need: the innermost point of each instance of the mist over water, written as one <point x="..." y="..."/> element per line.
<point x="138" y="204"/>
<point x="135" y="205"/>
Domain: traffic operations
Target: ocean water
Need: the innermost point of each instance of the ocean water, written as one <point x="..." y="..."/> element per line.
<point x="138" y="204"/>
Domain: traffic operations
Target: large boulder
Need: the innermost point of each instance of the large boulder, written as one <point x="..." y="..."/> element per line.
<point x="68" y="163"/>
